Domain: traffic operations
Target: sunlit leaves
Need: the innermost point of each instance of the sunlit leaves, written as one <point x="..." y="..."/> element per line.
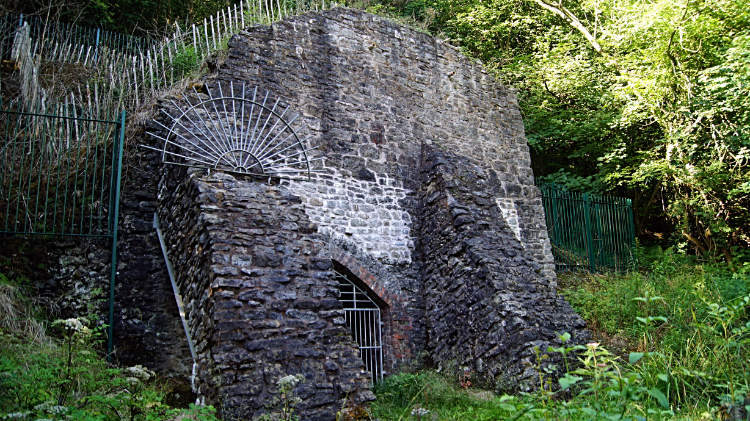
<point x="665" y="108"/>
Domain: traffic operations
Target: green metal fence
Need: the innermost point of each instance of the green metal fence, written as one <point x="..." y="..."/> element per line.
<point x="589" y="232"/>
<point x="60" y="175"/>
<point x="56" y="173"/>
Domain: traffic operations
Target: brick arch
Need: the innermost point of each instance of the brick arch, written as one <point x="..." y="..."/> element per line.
<point x="398" y="345"/>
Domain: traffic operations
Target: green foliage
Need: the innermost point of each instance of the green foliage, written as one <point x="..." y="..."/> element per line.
<point x="194" y="412"/>
<point x="402" y="393"/>
<point x="610" y="302"/>
<point x="660" y="113"/>
<point x="134" y="17"/>
<point x="66" y="378"/>
<point x="601" y="388"/>
<point x="574" y="182"/>
<point x="127" y="16"/>
<point x="185" y="62"/>
<point x="691" y="320"/>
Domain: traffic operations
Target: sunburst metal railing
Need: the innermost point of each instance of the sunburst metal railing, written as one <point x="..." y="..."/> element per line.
<point x="238" y="131"/>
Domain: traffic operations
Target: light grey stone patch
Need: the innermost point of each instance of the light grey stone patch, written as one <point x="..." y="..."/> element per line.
<point x="508" y="208"/>
<point x="360" y="211"/>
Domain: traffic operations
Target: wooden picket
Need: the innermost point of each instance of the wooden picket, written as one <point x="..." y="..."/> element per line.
<point x="134" y="70"/>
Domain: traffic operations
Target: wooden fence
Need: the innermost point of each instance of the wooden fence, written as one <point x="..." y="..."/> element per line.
<point x="122" y="72"/>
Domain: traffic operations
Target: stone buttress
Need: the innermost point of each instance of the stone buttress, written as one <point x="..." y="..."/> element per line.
<point x="260" y="303"/>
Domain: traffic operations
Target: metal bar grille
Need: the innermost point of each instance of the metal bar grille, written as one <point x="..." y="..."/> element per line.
<point x="60" y="175"/>
<point x="589" y="232"/>
<point x="362" y="316"/>
<point x="58" y="172"/>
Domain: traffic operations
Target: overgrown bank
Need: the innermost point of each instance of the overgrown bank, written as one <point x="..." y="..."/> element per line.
<point x="671" y="342"/>
<point x="55" y="368"/>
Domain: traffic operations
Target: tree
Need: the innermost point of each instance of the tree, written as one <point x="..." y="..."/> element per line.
<point x="648" y="100"/>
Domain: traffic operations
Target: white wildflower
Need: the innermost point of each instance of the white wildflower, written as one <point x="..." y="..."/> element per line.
<point x="57" y="410"/>
<point x="290" y="380"/>
<point x="419" y="412"/>
<point x="132" y="381"/>
<point x="287" y="383"/>
<point x="71" y="325"/>
<point x="139" y="372"/>
<point x="17" y="415"/>
<point x="42" y="407"/>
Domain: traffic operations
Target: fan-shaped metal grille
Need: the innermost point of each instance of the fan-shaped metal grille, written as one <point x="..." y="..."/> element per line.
<point x="238" y="132"/>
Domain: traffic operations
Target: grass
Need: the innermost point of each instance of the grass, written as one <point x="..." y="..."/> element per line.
<point x="400" y="394"/>
<point x="692" y="317"/>
<point x="56" y="370"/>
<point x="671" y="342"/>
<point x="17" y="314"/>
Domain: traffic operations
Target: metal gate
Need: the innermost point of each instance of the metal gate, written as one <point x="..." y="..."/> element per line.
<point x="363" y="318"/>
<point x="589" y="232"/>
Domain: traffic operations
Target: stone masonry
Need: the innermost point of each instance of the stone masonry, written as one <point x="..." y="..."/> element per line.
<point x="261" y="304"/>
<point x="427" y="198"/>
<point x="486" y="304"/>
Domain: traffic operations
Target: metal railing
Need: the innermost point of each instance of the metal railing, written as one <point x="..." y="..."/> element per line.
<point x="56" y="173"/>
<point x="60" y="175"/>
<point x="589" y="232"/>
<point x="362" y="316"/>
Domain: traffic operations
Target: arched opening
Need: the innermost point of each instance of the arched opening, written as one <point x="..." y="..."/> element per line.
<point x="363" y="316"/>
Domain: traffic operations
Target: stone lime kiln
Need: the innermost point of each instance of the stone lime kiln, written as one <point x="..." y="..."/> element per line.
<point x="401" y="217"/>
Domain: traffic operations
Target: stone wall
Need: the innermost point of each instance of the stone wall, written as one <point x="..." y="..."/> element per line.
<point x="70" y="275"/>
<point x="260" y="302"/>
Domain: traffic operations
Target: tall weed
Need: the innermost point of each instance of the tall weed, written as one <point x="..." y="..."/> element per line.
<point x="55" y="371"/>
<point x="691" y="319"/>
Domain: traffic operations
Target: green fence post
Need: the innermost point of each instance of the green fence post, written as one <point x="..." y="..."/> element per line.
<point x="96" y="48"/>
<point x="553" y="216"/>
<point x="587" y="227"/>
<point x="598" y="239"/>
<point x="557" y="232"/>
<point x="116" y="219"/>
<point x="631" y="234"/>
